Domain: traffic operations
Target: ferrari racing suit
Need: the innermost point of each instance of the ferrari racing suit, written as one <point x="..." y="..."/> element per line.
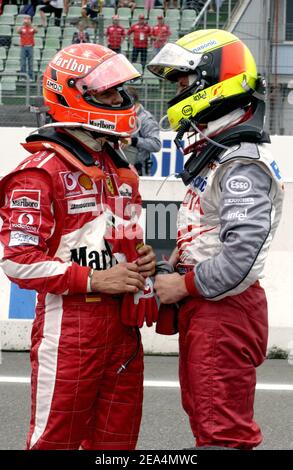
<point x="56" y="209"/>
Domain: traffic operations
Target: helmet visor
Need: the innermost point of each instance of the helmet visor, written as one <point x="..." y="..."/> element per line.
<point x="112" y="72"/>
<point x="173" y="56"/>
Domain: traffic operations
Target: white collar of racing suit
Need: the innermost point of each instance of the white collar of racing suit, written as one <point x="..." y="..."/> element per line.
<point x="85" y="138"/>
<point x="224" y="122"/>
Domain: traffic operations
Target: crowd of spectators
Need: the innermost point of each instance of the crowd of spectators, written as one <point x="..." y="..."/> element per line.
<point x="93" y="8"/>
<point x="137" y="36"/>
<point x="141" y="34"/>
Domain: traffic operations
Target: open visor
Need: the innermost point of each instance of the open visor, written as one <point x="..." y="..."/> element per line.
<point x="173" y="56"/>
<point x="112" y="72"/>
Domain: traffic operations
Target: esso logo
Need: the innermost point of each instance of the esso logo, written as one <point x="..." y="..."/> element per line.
<point x="238" y="184"/>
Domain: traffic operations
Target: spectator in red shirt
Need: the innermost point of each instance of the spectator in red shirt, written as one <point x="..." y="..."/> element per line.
<point x="160" y="34"/>
<point x="141" y="33"/>
<point x="115" y="34"/>
<point x="27" y="41"/>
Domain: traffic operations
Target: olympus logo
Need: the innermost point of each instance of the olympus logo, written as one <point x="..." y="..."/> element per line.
<point x="101" y="124"/>
<point x="238" y="184"/>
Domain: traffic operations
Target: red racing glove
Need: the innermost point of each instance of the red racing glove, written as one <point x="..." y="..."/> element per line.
<point x="167" y="323"/>
<point x="142" y="306"/>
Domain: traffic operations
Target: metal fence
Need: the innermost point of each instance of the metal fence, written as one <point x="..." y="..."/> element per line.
<point x="267" y="40"/>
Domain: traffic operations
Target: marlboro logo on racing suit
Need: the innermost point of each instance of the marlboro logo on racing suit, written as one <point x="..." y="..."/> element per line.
<point x="99" y="260"/>
<point x="25" y="199"/>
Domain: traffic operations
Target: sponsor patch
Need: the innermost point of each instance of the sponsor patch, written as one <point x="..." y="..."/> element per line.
<point x="187" y="110"/>
<point x="71" y="64"/>
<point x="205" y="45"/>
<point x="103" y="124"/>
<point x="200" y="96"/>
<point x="26" y="221"/>
<point x="77" y="183"/>
<point x="79" y="206"/>
<point x="25" y="199"/>
<point x="200" y="183"/>
<point x="276" y="170"/>
<point x="237" y="215"/>
<point x="239" y="201"/>
<point x="125" y="190"/>
<point x="54" y="86"/>
<point x="238" y="184"/>
<point x="110" y="185"/>
<point x="132" y="122"/>
<point x="217" y="90"/>
<point x="21" y="238"/>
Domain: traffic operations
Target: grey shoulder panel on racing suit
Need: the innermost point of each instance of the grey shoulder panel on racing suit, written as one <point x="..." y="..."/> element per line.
<point x="247" y="150"/>
<point x="245" y="216"/>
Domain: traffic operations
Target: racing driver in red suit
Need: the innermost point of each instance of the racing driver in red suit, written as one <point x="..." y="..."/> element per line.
<point x="62" y="210"/>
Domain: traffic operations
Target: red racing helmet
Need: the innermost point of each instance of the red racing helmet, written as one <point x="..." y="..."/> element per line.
<point x="72" y="77"/>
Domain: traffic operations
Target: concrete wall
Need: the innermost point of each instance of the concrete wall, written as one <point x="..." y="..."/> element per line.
<point x="16" y="306"/>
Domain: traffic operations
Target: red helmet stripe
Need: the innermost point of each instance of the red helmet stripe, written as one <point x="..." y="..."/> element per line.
<point x="233" y="61"/>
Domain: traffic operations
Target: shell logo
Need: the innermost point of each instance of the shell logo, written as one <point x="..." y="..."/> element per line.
<point x="85" y="182"/>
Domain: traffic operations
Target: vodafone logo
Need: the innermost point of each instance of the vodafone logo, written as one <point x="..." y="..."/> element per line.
<point x="132" y="122"/>
<point x="26" y="221"/>
<point x="70" y="181"/>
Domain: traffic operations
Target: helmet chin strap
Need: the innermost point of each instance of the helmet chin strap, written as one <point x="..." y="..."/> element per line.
<point x="219" y="125"/>
<point x="208" y="139"/>
<point x="213" y="128"/>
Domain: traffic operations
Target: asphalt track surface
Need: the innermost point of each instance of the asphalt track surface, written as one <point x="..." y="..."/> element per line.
<point x="164" y="425"/>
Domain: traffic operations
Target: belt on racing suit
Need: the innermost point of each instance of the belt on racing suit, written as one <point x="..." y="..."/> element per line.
<point x="92" y="297"/>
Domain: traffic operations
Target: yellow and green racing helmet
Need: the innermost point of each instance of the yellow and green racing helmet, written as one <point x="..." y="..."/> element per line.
<point x="221" y="71"/>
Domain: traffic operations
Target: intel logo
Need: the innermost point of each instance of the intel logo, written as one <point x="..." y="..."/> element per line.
<point x="238" y="184"/>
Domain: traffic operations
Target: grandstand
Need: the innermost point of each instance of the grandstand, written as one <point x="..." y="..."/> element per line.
<point x="48" y="41"/>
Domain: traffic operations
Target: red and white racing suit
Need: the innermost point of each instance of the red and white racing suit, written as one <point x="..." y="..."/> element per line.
<point x="55" y="213"/>
<point x="225" y="225"/>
